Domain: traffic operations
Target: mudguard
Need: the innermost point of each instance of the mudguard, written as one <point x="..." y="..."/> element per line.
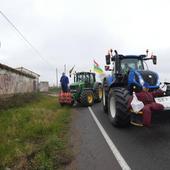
<point x="110" y="80"/>
<point x="96" y="85"/>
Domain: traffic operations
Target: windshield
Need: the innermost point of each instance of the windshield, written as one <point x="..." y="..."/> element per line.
<point x="81" y="77"/>
<point x="88" y="78"/>
<point x="131" y="63"/>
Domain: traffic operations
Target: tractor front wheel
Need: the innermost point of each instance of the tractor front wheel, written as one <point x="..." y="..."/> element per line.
<point x="118" y="107"/>
<point x="87" y="98"/>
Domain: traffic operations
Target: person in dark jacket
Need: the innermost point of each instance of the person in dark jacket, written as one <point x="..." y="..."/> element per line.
<point x="64" y="82"/>
<point x="149" y="103"/>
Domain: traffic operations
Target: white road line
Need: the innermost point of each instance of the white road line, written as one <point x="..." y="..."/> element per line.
<point x="113" y="148"/>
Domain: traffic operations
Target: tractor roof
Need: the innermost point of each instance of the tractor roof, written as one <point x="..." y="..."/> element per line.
<point x="132" y="56"/>
<point x="83" y="72"/>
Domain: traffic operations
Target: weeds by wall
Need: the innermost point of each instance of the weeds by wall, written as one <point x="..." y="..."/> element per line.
<point x="16" y="100"/>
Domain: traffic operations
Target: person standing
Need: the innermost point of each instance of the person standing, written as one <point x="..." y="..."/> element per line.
<point x="64" y="82"/>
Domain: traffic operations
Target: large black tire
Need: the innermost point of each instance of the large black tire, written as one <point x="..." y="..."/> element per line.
<point x="118" y="107"/>
<point x="98" y="93"/>
<point x="87" y="98"/>
<point x="105" y="97"/>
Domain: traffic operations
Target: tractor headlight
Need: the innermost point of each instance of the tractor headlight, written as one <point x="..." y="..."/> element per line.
<point x="141" y="80"/>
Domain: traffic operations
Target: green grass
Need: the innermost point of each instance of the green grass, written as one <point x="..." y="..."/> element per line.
<point x="54" y="89"/>
<point x="34" y="136"/>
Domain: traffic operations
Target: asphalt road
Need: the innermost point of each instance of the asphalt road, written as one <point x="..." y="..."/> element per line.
<point x="141" y="147"/>
<point x="91" y="150"/>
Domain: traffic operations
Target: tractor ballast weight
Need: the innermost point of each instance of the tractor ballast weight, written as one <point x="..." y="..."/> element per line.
<point x="85" y="90"/>
<point x="127" y="75"/>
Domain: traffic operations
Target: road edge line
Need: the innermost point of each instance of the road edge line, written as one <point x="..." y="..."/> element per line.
<point x="112" y="146"/>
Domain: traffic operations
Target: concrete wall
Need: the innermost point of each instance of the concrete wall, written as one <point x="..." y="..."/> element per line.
<point x="43" y="86"/>
<point x="12" y="81"/>
<point x="29" y="72"/>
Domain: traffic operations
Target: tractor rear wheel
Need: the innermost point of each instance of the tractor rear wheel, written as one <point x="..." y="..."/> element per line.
<point x="118" y="107"/>
<point x="87" y="98"/>
<point x="98" y="93"/>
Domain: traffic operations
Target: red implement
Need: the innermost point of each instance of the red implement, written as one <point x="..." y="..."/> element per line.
<point x="65" y="98"/>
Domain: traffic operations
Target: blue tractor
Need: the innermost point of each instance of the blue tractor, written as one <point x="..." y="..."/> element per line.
<point x="128" y="75"/>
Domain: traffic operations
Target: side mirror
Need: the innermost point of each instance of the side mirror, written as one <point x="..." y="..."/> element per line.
<point x="154" y="59"/>
<point x="113" y="58"/>
<point x="107" y="59"/>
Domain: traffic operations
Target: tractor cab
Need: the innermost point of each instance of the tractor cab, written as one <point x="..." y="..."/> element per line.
<point x="128" y="71"/>
<point x="130" y="62"/>
<point x="87" y="78"/>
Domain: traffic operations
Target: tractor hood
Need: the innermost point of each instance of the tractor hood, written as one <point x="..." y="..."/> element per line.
<point x="76" y="84"/>
<point x="144" y="78"/>
<point x="150" y="78"/>
<point x="75" y="87"/>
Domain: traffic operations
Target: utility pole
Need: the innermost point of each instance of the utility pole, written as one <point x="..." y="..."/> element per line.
<point x="56" y="77"/>
<point x="65" y="68"/>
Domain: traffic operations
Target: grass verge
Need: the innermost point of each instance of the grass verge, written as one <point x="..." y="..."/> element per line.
<point x="54" y="90"/>
<point x="35" y="136"/>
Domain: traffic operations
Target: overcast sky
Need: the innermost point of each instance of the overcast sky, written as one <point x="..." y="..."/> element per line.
<point x="74" y="32"/>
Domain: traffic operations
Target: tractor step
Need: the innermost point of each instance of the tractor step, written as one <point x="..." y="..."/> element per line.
<point x="136" y="119"/>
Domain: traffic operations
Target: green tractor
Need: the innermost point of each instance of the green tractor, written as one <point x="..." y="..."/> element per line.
<point x="85" y="90"/>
